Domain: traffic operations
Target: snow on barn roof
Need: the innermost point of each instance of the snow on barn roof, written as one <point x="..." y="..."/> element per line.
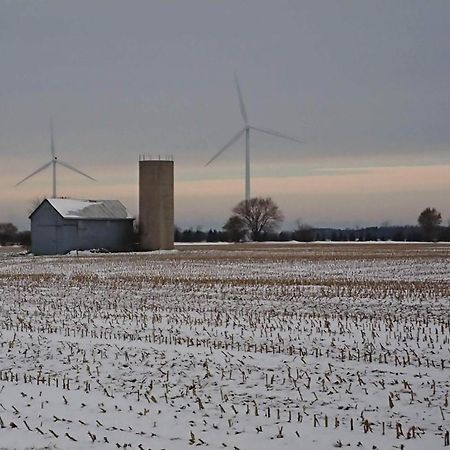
<point x="70" y="208"/>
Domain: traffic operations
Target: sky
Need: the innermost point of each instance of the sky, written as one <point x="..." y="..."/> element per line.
<point x="365" y="85"/>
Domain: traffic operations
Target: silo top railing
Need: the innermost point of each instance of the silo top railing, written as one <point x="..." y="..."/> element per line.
<point x="150" y="157"/>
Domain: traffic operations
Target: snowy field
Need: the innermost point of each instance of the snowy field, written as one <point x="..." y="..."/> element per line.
<point x="315" y="346"/>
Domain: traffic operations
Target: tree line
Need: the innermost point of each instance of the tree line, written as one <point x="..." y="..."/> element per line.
<point x="408" y="233"/>
<point x="260" y="219"/>
<point x="10" y="235"/>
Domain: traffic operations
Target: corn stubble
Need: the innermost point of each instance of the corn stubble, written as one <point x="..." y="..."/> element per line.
<point x="256" y="346"/>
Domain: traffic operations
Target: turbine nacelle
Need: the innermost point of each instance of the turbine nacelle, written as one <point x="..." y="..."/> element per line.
<point x="246" y="131"/>
<point x="54" y="162"/>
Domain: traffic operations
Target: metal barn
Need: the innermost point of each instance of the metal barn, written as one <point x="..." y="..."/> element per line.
<point x="59" y="225"/>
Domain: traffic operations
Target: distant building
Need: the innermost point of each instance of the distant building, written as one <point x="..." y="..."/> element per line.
<point x="59" y="225"/>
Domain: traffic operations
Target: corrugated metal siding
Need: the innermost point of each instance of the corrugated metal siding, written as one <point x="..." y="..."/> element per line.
<point x="113" y="235"/>
<point x="44" y="226"/>
<point x="67" y="237"/>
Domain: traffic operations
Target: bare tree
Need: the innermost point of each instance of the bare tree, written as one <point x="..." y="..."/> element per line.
<point x="429" y="220"/>
<point x="34" y="203"/>
<point x="8" y="233"/>
<point x="256" y="216"/>
<point x="303" y="232"/>
<point x="235" y="229"/>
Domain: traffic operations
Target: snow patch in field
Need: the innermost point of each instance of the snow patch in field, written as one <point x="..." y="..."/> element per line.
<point x="307" y="347"/>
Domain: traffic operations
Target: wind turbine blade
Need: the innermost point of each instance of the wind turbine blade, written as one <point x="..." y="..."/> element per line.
<point x="52" y="142"/>
<point x="277" y="134"/>
<point x="34" y="173"/>
<point x="68" y="166"/>
<point x="232" y="141"/>
<point x="241" y="100"/>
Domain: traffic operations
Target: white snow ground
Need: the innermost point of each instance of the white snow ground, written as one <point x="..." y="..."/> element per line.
<point x="313" y="347"/>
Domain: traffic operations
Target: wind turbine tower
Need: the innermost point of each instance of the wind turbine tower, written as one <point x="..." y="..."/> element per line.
<point x="54" y="162"/>
<point x="246" y="132"/>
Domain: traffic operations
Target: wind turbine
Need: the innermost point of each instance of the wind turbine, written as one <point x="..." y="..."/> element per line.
<point x="53" y="162"/>
<point x="246" y="131"/>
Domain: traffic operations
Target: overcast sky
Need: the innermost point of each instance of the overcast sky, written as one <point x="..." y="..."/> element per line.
<point x="365" y="85"/>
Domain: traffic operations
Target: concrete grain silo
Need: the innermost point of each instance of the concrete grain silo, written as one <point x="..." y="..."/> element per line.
<point x="156" y="204"/>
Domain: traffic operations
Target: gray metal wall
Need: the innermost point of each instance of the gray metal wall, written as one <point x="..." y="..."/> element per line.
<point x="113" y="235"/>
<point x="52" y="235"/>
<point x="44" y="225"/>
<point x="156" y="205"/>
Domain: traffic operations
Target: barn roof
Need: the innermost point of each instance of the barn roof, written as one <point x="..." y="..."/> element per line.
<point x="70" y="208"/>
